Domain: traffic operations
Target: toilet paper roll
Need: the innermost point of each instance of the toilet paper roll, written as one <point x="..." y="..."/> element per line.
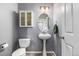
<point x="5" y="45"/>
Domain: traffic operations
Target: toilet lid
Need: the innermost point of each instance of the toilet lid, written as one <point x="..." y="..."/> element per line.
<point x="19" y="52"/>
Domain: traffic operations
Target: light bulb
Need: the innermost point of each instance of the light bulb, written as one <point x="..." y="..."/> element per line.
<point x="44" y="9"/>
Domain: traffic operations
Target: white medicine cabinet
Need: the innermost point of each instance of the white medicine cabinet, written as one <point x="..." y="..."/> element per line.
<point x="25" y="18"/>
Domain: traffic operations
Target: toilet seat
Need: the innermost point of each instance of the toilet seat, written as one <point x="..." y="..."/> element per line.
<point x="19" y="52"/>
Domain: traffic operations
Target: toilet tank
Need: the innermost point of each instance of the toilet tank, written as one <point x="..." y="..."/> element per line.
<point x="24" y="43"/>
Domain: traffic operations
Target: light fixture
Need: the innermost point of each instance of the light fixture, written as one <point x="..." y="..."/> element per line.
<point x="44" y="9"/>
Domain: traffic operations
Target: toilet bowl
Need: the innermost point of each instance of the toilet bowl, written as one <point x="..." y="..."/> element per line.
<point x="23" y="43"/>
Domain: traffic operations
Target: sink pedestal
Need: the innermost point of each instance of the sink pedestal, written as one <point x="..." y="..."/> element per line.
<point x="44" y="48"/>
<point x="44" y="37"/>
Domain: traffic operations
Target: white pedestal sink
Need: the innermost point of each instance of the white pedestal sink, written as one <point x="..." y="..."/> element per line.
<point x="44" y="37"/>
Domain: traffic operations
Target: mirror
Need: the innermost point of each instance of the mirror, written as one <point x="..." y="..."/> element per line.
<point x="43" y="22"/>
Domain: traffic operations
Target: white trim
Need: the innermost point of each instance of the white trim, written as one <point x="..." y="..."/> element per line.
<point x="40" y="52"/>
<point x="25" y="11"/>
<point x="34" y="52"/>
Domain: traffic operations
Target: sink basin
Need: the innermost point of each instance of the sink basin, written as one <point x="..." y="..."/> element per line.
<point x="44" y="36"/>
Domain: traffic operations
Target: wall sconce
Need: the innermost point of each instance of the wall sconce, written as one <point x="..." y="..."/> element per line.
<point x="44" y="9"/>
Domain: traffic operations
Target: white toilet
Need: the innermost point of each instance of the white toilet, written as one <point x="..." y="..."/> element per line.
<point x="23" y="43"/>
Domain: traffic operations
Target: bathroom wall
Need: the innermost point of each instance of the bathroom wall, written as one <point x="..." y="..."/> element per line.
<point x="8" y="27"/>
<point x="32" y="33"/>
<point x="58" y="16"/>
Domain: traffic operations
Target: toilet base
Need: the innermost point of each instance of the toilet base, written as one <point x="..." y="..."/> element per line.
<point x="19" y="52"/>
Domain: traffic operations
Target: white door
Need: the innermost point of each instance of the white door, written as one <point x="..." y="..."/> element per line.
<point x="70" y="30"/>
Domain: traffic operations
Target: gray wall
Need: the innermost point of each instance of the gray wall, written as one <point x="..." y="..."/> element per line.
<point x="8" y="28"/>
<point x="32" y="33"/>
<point x="58" y="16"/>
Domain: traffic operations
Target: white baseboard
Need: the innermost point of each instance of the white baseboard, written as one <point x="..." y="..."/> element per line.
<point x="40" y="52"/>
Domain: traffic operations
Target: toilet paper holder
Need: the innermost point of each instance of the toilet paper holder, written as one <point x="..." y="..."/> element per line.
<point x="3" y="46"/>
